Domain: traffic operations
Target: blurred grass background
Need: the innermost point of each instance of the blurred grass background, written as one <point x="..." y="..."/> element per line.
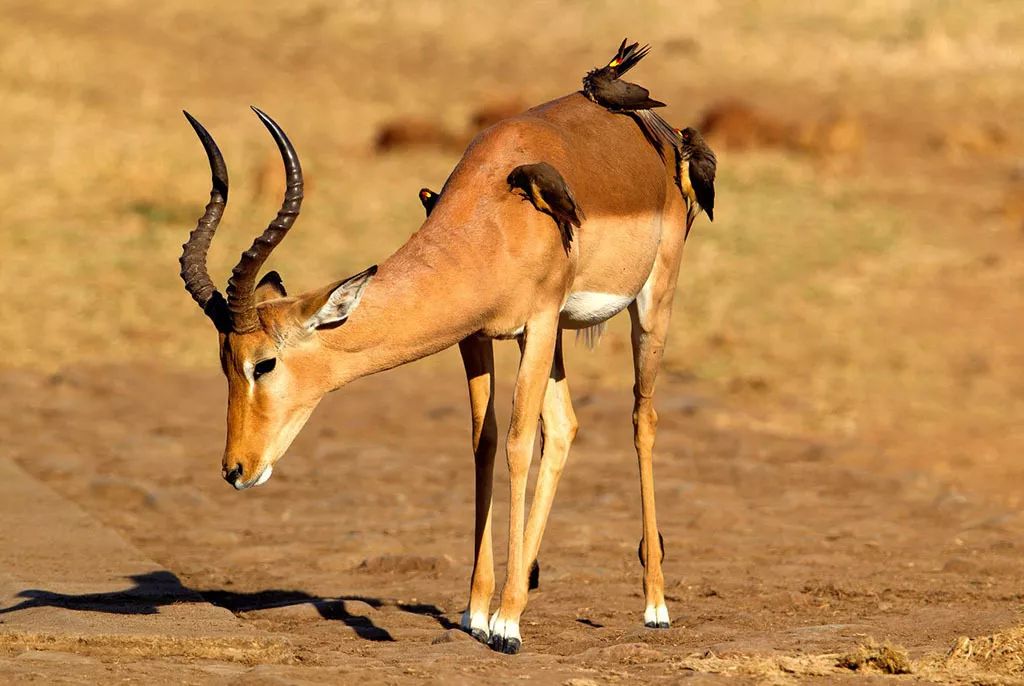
<point x="871" y="292"/>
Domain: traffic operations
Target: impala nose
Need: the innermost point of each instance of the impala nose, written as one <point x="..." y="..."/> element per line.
<point x="233" y="475"/>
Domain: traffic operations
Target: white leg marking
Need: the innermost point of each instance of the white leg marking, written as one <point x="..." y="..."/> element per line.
<point x="506" y="628"/>
<point x="650" y="615"/>
<point x="644" y="304"/>
<point x="477" y="621"/>
<point x="657" y="615"/>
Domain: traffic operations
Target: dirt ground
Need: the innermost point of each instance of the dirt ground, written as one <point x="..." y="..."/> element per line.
<point x="354" y="560"/>
<point x="839" y="458"/>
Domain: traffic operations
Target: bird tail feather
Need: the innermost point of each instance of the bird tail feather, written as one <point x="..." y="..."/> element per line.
<point x="630" y="57"/>
<point x="656" y="128"/>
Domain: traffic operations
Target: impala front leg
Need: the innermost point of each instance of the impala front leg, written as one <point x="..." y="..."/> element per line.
<point x="558" y="429"/>
<point x="534" y="368"/>
<point x="478" y="358"/>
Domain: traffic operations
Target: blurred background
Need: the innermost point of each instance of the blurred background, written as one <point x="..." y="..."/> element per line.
<point x="864" y="277"/>
<point x="841" y="400"/>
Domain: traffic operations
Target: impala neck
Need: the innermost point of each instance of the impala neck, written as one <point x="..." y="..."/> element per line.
<point x="421" y="301"/>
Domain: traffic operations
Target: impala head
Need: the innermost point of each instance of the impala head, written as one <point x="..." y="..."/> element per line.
<point x="268" y="341"/>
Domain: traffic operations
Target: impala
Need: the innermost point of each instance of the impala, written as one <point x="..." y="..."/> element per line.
<point x="485" y="265"/>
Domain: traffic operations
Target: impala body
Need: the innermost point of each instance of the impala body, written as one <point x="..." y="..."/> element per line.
<point x="485" y="265"/>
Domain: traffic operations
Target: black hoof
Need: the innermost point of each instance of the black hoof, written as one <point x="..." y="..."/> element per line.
<point x="657" y="625"/>
<point x="535" y="575"/>
<point x="501" y="644"/>
<point x="480" y="635"/>
<point x="640" y="551"/>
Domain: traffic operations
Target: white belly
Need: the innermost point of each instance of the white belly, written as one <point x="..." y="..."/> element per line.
<point x="585" y="308"/>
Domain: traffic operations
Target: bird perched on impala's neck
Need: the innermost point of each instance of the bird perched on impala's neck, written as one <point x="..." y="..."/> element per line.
<point x="547" y="190"/>
<point x="695" y="170"/>
<point x="428" y="198"/>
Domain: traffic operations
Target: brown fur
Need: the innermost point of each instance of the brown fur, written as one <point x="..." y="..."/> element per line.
<point x="486" y="265"/>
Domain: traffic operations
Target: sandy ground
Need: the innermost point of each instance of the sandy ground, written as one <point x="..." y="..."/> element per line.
<point x="353" y="561"/>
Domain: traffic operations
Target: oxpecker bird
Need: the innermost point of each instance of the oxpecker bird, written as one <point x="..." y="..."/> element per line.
<point x="547" y="190"/>
<point x="696" y="164"/>
<point x="604" y="86"/>
<point x="429" y="198"/>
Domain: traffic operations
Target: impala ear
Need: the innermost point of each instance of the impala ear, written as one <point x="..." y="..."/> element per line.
<point x="270" y="287"/>
<point x="334" y="304"/>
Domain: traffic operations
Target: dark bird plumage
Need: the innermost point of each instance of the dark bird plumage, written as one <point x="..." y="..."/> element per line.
<point x="622" y="96"/>
<point x="429" y="198"/>
<point x="550" y="194"/>
<point x="604" y="87"/>
<point x="626" y="57"/>
<point x="656" y="130"/>
<point x="696" y="166"/>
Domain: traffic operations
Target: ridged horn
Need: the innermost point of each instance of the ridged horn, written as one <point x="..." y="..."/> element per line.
<point x="241" y="301"/>
<point x="193" y="253"/>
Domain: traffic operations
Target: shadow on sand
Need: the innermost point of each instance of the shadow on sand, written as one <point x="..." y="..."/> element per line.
<point x="153" y="590"/>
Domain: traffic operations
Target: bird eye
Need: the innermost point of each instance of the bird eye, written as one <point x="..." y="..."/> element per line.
<point x="264" y="367"/>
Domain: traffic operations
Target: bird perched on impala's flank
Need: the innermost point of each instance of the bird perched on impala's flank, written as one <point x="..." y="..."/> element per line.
<point x="429" y="198"/>
<point x="695" y="173"/>
<point x="550" y="194"/>
<point x="603" y="86"/>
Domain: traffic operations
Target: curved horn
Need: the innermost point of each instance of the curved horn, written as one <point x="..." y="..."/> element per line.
<point x="241" y="301"/>
<point x="193" y="252"/>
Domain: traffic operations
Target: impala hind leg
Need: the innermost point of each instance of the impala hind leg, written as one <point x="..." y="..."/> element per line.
<point x="531" y="383"/>
<point x="478" y="359"/>
<point x="558" y="429"/>
<point x="648" y="337"/>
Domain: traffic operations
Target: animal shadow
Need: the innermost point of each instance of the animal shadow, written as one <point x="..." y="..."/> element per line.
<point x="153" y="590"/>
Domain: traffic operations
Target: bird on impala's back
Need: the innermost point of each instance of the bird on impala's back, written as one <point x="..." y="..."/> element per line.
<point x="605" y="87"/>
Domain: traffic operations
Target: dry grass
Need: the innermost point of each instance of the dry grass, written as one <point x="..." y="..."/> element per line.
<point x="883" y="657"/>
<point x="843" y="287"/>
<point x="1002" y="652"/>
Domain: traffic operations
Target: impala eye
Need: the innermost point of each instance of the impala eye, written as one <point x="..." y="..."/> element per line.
<point x="264" y="367"/>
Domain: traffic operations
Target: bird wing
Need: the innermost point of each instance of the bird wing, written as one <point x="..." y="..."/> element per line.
<point x="565" y="205"/>
<point x="702" y="178"/>
<point x="638" y="97"/>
